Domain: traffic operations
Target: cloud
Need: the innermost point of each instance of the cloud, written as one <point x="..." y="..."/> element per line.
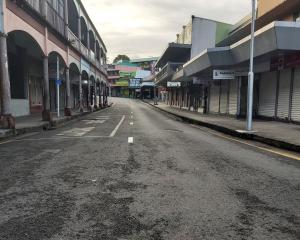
<point x="142" y="28"/>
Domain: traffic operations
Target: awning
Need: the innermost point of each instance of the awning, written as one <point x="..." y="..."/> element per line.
<point x="211" y="57"/>
<point x="277" y="37"/>
<point x="175" y="52"/>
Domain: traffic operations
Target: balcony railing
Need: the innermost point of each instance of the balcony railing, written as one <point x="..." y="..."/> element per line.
<point x="84" y="51"/>
<point x="35" y="4"/>
<point x="55" y="20"/>
<point x="74" y="40"/>
<point x="168" y="70"/>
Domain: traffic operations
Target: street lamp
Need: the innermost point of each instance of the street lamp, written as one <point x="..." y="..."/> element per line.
<point x="251" y="73"/>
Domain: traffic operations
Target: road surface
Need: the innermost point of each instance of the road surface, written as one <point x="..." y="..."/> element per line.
<point x="133" y="173"/>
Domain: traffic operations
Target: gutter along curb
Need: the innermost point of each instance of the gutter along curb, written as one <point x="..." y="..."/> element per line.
<point x="248" y="136"/>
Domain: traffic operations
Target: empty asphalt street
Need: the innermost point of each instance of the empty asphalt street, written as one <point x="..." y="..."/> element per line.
<point x="133" y="173"/>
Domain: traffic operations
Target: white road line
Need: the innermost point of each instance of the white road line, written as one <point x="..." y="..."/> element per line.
<point x="1" y="143"/>
<point x="113" y="133"/>
<point x="94" y="121"/>
<point x="130" y="140"/>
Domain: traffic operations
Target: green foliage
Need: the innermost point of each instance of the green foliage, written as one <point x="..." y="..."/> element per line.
<point x="121" y="57"/>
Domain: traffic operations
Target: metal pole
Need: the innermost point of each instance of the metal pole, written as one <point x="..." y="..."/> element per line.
<point x="57" y="85"/>
<point x="251" y="73"/>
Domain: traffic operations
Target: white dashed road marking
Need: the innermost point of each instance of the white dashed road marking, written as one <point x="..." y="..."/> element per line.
<point x="76" y="132"/>
<point x="130" y="140"/>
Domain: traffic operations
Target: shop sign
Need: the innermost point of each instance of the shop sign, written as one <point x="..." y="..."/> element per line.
<point x="223" y="74"/>
<point x="135" y="83"/>
<point x="174" y="84"/>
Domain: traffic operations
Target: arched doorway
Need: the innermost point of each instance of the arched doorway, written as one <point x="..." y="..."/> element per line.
<point x="97" y="97"/>
<point x="74" y="86"/>
<point x="54" y="59"/>
<point x="92" y="90"/>
<point x="85" y="90"/>
<point x="25" y="63"/>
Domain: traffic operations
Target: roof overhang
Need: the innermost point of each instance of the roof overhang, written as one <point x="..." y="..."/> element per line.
<point x="175" y="52"/>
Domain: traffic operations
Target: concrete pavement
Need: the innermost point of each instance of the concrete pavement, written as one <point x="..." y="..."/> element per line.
<point x="130" y="172"/>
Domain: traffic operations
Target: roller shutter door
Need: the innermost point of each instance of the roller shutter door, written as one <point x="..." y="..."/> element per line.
<point x="224" y="96"/>
<point x="233" y="97"/>
<point x="214" y="97"/>
<point x="296" y="97"/>
<point x="284" y="94"/>
<point x="267" y="94"/>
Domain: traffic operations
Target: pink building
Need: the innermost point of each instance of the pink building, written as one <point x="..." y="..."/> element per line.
<point x="37" y="36"/>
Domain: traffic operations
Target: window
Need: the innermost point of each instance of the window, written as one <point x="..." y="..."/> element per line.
<point x="58" y="6"/>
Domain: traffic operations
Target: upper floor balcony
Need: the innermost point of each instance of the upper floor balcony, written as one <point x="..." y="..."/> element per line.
<point x="76" y="28"/>
<point x="166" y="73"/>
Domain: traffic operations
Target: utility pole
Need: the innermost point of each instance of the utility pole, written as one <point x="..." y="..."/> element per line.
<point x="251" y="73"/>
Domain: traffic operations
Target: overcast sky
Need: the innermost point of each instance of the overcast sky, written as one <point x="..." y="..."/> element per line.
<point x="142" y="28"/>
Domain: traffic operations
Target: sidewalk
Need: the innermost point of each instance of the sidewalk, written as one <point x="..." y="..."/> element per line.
<point x="278" y="134"/>
<point x="34" y="123"/>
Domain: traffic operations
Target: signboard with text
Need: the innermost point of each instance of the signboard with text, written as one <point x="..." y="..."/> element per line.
<point x="135" y="83"/>
<point x="223" y="74"/>
<point x="174" y="84"/>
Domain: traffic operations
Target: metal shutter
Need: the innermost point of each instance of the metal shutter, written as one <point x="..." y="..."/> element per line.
<point x="267" y="94"/>
<point x="224" y="96"/>
<point x="296" y="97"/>
<point x="233" y="97"/>
<point x="284" y="94"/>
<point x="214" y="99"/>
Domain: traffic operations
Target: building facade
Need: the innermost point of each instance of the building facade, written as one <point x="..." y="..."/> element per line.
<point x="47" y="43"/>
<point x="195" y="37"/>
<point x="221" y="70"/>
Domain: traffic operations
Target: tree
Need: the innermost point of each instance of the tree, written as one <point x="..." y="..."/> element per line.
<point x="121" y="57"/>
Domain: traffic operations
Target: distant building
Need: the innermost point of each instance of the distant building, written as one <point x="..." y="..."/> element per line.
<point x="113" y="78"/>
<point x="195" y="37"/>
<point x="146" y="64"/>
<point x="126" y="71"/>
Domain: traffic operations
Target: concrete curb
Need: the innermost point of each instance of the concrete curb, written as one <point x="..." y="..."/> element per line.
<point x="234" y="133"/>
<point x="7" y="134"/>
